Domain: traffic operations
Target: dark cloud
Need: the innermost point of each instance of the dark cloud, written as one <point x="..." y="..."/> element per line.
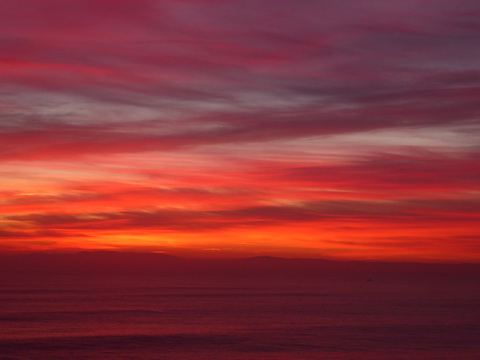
<point x="252" y="110"/>
<point x="52" y="199"/>
<point x="422" y="171"/>
<point x="413" y="211"/>
<point x="205" y="51"/>
<point x="58" y="141"/>
<point x="22" y="234"/>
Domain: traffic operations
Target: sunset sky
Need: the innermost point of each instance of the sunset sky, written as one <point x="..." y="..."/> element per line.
<point x="232" y="128"/>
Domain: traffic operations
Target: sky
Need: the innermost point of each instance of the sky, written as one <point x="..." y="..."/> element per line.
<point x="231" y="128"/>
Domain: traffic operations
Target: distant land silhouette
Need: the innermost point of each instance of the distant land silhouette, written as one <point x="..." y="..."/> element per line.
<point x="156" y="264"/>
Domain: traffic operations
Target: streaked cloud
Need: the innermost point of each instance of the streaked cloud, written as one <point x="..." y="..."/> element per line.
<point x="200" y="124"/>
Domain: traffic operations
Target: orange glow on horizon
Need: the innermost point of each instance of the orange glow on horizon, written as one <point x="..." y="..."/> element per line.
<point x="179" y="131"/>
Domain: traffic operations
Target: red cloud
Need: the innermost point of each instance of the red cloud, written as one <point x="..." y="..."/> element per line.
<point x="201" y="117"/>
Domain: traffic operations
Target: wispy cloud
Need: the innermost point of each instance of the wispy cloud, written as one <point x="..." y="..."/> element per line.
<point x="240" y="122"/>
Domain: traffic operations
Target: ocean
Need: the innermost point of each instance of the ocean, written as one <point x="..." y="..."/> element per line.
<point x="121" y="317"/>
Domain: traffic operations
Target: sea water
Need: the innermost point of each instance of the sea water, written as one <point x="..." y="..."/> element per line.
<point x="168" y="318"/>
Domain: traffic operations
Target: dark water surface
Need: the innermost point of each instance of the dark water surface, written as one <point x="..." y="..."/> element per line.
<point x="138" y="318"/>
